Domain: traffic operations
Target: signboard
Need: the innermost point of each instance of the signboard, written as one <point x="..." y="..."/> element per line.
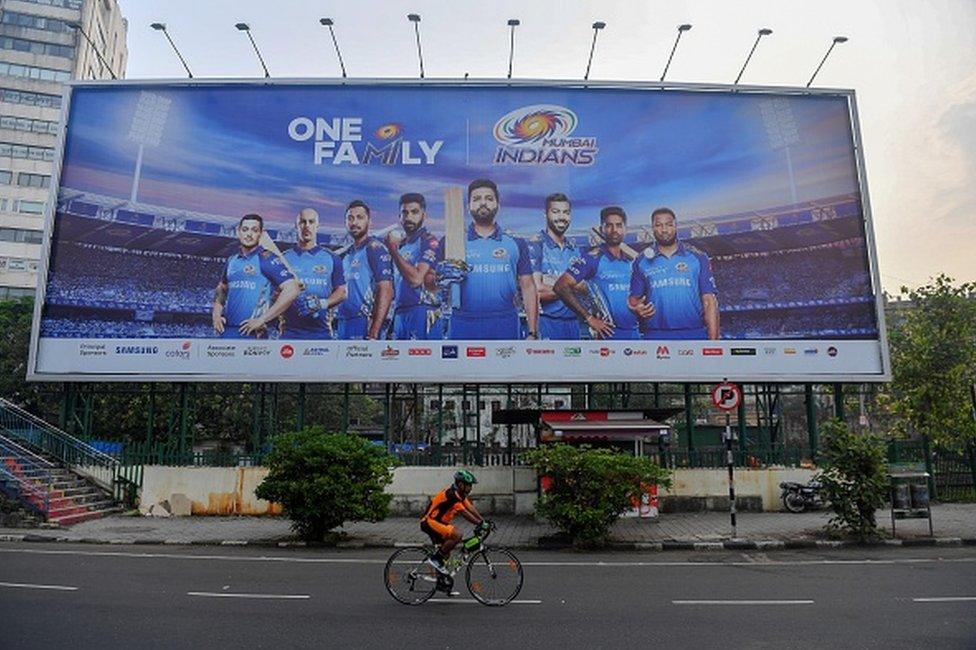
<point x="431" y="231"/>
<point x="726" y="396"/>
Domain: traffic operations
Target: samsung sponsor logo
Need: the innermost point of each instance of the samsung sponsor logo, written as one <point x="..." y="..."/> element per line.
<point x="136" y="349"/>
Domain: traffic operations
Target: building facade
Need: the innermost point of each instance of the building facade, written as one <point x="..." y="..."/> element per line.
<point x="43" y="43"/>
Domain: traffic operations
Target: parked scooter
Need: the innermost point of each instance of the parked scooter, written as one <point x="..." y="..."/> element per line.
<point x="799" y="497"/>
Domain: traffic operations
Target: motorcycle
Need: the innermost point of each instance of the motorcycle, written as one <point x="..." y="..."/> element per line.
<point x="799" y="497"/>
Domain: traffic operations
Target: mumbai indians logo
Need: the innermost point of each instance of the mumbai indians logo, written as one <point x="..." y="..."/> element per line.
<point x="541" y="134"/>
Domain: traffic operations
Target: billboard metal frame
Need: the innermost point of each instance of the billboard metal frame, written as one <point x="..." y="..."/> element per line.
<point x="846" y="93"/>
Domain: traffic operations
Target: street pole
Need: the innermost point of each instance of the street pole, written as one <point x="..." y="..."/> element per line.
<point x="731" y="465"/>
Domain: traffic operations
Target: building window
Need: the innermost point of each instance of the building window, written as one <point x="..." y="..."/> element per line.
<point x="30" y="207"/>
<point x="5" y="177"/>
<point x="36" y="22"/>
<point x="21" y="236"/>
<point x="27" y="152"/>
<point x="33" y="72"/>
<point x="27" y="124"/>
<point x="36" y="47"/>
<point x="25" y="179"/>
<point x="13" y="293"/>
<point x="66" y="4"/>
<point x="43" y="100"/>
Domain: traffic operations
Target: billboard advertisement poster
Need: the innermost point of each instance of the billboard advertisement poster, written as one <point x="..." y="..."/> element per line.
<point x="412" y="231"/>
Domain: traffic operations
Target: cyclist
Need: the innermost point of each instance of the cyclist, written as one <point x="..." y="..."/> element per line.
<point x="436" y="522"/>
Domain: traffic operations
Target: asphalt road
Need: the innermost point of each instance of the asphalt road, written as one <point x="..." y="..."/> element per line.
<point x="60" y="595"/>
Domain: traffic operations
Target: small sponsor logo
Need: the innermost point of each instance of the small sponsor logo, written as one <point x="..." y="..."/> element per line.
<point x="287" y="351"/>
<point x="498" y="253"/>
<point x="686" y="352"/>
<point x="221" y="351"/>
<point x="136" y="349"/>
<point x="319" y="269"/>
<point x="605" y="352"/>
<point x="634" y="352"/>
<point x="505" y="353"/>
<point x="449" y="352"/>
<point x="789" y="351"/>
<point x="316" y="352"/>
<point x="93" y="350"/>
<point x="476" y="352"/>
<point x="831" y="351"/>
<point x="183" y="352"/>
<point x="249" y="269"/>
<point x="712" y="352"/>
<point x="531" y="351"/>
<point x="257" y="351"/>
<point x="572" y="352"/>
<point x="743" y="352"/>
<point x="681" y="267"/>
<point x="389" y="352"/>
<point x="769" y="351"/>
<point x="419" y="352"/>
<point x="810" y="351"/>
<point x="358" y="352"/>
<point x="663" y="352"/>
<point x="578" y="417"/>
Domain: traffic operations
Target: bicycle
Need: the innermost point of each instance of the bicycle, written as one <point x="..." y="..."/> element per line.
<point x="492" y="575"/>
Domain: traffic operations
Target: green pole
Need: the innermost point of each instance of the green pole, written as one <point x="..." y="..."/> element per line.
<point x="928" y="466"/>
<point x="386" y="416"/>
<point x="184" y="402"/>
<point x="345" y="407"/>
<point x="255" y="417"/>
<point x="440" y="423"/>
<point x="813" y="437"/>
<point x="740" y="415"/>
<point x="151" y="415"/>
<point x="657" y="395"/>
<point x="301" y="406"/>
<point x="839" y="402"/>
<point x="689" y="419"/>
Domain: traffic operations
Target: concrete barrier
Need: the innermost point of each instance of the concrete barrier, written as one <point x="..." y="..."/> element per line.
<point x="182" y="491"/>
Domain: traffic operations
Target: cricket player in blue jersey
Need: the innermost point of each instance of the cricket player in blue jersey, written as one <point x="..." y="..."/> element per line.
<point x="323" y="282"/>
<point x="369" y="279"/>
<point x="416" y="314"/>
<point x="606" y="270"/>
<point x="552" y="253"/>
<point x="499" y="268"/>
<point x="672" y="288"/>
<point x="242" y="306"/>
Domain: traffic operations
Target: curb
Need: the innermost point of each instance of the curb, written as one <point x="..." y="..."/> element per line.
<point x="738" y="544"/>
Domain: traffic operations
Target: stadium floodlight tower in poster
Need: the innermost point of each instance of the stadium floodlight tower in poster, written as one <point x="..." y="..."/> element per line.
<point x="476" y="231"/>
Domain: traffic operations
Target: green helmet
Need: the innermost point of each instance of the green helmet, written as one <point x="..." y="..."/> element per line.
<point x="464" y="476"/>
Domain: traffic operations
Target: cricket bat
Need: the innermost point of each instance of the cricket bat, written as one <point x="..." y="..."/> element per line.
<point x="628" y="252"/>
<point x="268" y="244"/>
<point x="454" y="223"/>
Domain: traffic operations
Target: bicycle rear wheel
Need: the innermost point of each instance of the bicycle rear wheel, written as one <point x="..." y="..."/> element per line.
<point x="494" y="576"/>
<point x="408" y="577"/>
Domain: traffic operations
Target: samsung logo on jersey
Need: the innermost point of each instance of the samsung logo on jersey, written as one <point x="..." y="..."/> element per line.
<point x="243" y="284"/>
<point x="341" y="141"/>
<point x="136" y="349"/>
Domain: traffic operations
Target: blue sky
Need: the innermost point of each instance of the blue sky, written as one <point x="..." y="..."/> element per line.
<point x="225" y="150"/>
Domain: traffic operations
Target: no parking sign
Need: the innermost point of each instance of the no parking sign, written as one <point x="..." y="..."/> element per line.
<point x="727" y="396"/>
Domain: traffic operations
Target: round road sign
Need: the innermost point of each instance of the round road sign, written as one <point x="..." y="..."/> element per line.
<point x="727" y="396"/>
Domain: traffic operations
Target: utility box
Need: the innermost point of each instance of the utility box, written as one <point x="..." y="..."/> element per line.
<point x="909" y="493"/>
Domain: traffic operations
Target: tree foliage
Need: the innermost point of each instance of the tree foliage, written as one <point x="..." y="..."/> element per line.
<point x="15" y="326"/>
<point x="590" y="488"/>
<point x="323" y="480"/>
<point x="854" y="479"/>
<point x="933" y="358"/>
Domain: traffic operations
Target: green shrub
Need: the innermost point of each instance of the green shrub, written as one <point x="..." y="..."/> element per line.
<point x="590" y="488"/>
<point x="323" y="480"/>
<point x="854" y="479"/>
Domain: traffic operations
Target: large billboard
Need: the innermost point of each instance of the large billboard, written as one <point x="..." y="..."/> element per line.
<point x="412" y="231"/>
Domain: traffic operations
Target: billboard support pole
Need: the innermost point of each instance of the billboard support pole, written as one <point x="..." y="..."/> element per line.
<point x="811" y="420"/>
<point x="440" y="423"/>
<point x="839" y="411"/>
<point x="151" y="414"/>
<point x="301" y="406"/>
<point x="345" y="408"/>
<point x="689" y="419"/>
<point x="741" y="422"/>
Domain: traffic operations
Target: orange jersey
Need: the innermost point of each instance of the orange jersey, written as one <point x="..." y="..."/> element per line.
<point x="445" y="504"/>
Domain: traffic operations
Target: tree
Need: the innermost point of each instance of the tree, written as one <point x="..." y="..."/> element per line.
<point x="323" y="480"/>
<point x="854" y="479"/>
<point x="588" y="489"/>
<point x="933" y="358"/>
<point x="15" y="324"/>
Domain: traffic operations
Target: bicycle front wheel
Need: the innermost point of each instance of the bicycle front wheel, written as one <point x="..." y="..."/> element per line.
<point x="494" y="576"/>
<point x="408" y="577"/>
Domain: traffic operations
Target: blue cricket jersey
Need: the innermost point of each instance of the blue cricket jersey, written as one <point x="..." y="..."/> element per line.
<point x="497" y="261"/>
<point x="250" y="280"/>
<point x="364" y="265"/>
<point x="549" y="258"/>
<point x="611" y="275"/>
<point x="419" y="247"/>
<point x="674" y="285"/>
<point x="320" y="272"/>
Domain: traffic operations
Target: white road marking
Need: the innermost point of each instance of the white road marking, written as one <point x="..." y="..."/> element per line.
<point x="541" y="563"/>
<point x="224" y="594"/>
<point x="469" y="601"/>
<point x="24" y="585"/>
<point x="741" y="602"/>
<point x="946" y="599"/>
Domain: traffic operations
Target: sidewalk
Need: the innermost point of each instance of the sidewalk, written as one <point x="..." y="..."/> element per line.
<point x="954" y="524"/>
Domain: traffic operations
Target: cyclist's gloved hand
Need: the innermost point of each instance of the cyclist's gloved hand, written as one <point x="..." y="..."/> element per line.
<point x="308" y="304"/>
<point x="451" y="272"/>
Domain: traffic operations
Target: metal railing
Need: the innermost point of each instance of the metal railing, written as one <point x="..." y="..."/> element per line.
<point x="76" y="454"/>
<point x="25" y="477"/>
